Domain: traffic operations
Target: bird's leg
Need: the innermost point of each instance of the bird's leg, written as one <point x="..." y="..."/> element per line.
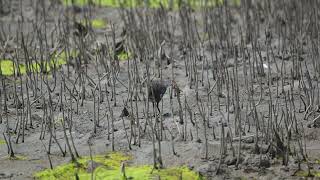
<point x="154" y="115"/>
<point x="158" y="108"/>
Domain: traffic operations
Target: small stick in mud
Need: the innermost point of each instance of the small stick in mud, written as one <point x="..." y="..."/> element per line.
<point x="125" y="113"/>
<point x="123" y="170"/>
<point x="9" y="145"/>
<point x="48" y="154"/>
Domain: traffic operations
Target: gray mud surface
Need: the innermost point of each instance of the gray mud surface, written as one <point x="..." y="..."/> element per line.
<point x="225" y="88"/>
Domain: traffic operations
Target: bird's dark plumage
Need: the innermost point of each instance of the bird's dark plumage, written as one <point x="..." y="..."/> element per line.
<point x="81" y="30"/>
<point x="119" y="47"/>
<point x="156" y="90"/>
<point x="124" y="112"/>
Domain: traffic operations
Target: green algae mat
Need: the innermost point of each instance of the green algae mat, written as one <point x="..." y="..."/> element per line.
<point x="123" y="56"/>
<point x="96" y="23"/>
<point x="9" y="67"/>
<point x="196" y="4"/>
<point x="2" y="142"/>
<point x="305" y="174"/>
<point x="109" y="169"/>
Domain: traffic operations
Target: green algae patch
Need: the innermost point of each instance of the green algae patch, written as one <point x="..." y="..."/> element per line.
<point x="19" y="158"/>
<point x="2" y="142"/>
<point x="105" y="3"/>
<point x="16" y="158"/>
<point x="97" y="23"/>
<point x="302" y="173"/>
<point x="55" y="62"/>
<point x="58" y="121"/>
<point x="195" y="4"/>
<point x="76" y="2"/>
<point x="177" y="173"/>
<point x="123" y="56"/>
<point x="63" y="57"/>
<point x="146" y="173"/>
<point x="66" y="171"/>
<point x="109" y="168"/>
<point x="8" y="67"/>
<point x="236" y="3"/>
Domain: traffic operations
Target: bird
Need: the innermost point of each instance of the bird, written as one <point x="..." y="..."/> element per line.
<point x="119" y="47"/>
<point x="125" y="112"/>
<point x="81" y="30"/>
<point x="156" y="90"/>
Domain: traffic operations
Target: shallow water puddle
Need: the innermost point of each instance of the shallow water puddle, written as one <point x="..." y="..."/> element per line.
<point x="108" y="167"/>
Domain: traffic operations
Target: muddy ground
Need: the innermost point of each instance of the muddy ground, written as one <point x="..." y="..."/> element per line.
<point x="291" y="52"/>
